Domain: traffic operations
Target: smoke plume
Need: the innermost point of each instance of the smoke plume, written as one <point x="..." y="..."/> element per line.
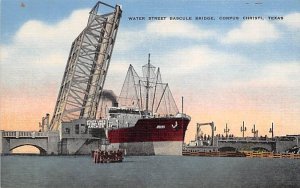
<point x="109" y="95"/>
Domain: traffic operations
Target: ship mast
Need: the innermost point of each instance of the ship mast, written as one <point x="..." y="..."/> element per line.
<point x="147" y="85"/>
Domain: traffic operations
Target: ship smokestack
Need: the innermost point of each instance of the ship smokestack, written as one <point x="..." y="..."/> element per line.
<point x="110" y="95"/>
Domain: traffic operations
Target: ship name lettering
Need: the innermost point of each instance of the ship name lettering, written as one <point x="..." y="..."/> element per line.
<point x="95" y="123"/>
<point x="101" y="123"/>
<point x="160" y="126"/>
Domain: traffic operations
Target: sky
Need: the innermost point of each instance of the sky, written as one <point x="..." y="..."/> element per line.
<point x="228" y="71"/>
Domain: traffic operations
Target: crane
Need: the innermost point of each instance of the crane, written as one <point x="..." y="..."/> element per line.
<point x="213" y="128"/>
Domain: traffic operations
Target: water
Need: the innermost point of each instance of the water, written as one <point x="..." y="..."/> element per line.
<point x="150" y="171"/>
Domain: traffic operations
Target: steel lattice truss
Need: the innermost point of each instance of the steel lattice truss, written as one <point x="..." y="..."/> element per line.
<point x="87" y="67"/>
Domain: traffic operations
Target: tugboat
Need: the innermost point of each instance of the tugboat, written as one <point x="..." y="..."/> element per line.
<point x="107" y="155"/>
<point x="104" y="156"/>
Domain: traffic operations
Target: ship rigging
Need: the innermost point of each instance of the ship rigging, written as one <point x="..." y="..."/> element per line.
<point x="147" y="94"/>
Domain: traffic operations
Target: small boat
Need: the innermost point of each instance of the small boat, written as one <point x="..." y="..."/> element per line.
<point x="107" y="156"/>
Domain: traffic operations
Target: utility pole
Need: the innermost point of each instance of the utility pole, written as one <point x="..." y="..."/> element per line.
<point x="182" y="120"/>
<point x="226" y="131"/>
<point x="182" y="105"/>
<point x="213" y="129"/>
<point x="254" y="131"/>
<point x="243" y="129"/>
<point x="272" y="130"/>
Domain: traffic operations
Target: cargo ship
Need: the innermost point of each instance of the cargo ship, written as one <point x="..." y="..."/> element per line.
<point x="146" y="120"/>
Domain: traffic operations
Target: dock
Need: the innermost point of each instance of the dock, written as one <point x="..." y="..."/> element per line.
<point x="248" y="154"/>
<point x="251" y="154"/>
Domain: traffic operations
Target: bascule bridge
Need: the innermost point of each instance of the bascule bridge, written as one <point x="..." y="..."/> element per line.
<point x="79" y="93"/>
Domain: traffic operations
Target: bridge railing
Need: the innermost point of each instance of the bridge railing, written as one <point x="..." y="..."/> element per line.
<point x="24" y="134"/>
<point x="246" y="139"/>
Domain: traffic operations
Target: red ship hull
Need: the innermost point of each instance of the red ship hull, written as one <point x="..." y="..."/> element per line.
<point x="151" y="136"/>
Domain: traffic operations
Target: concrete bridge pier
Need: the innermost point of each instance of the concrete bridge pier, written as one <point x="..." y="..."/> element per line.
<point x="53" y="140"/>
<point x="4" y="144"/>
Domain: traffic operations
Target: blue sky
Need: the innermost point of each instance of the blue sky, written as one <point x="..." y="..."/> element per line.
<point x="224" y="68"/>
<point x="13" y="15"/>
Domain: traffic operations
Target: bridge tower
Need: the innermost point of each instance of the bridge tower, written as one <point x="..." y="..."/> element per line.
<point x="87" y="66"/>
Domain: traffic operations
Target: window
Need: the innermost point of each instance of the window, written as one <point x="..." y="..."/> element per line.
<point x="83" y="129"/>
<point x="67" y="130"/>
<point x="77" y="129"/>
<point x="113" y="115"/>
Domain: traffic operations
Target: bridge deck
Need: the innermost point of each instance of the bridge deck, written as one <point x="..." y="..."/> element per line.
<point x="24" y="134"/>
<point x="247" y="141"/>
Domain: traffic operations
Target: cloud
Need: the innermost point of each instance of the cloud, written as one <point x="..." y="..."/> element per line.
<point x="276" y="74"/>
<point x="129" y="39"/>
<point x="39" y="49"/>
<point x="193" y="59"/>
<point x="178" y="29"/>
<point x="252" y="32"/>
<point x="44" y="35"/>
<point x="292" y="21"/>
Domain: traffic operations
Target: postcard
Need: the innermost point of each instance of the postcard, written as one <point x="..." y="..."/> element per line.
<point x="145" y="82"/>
